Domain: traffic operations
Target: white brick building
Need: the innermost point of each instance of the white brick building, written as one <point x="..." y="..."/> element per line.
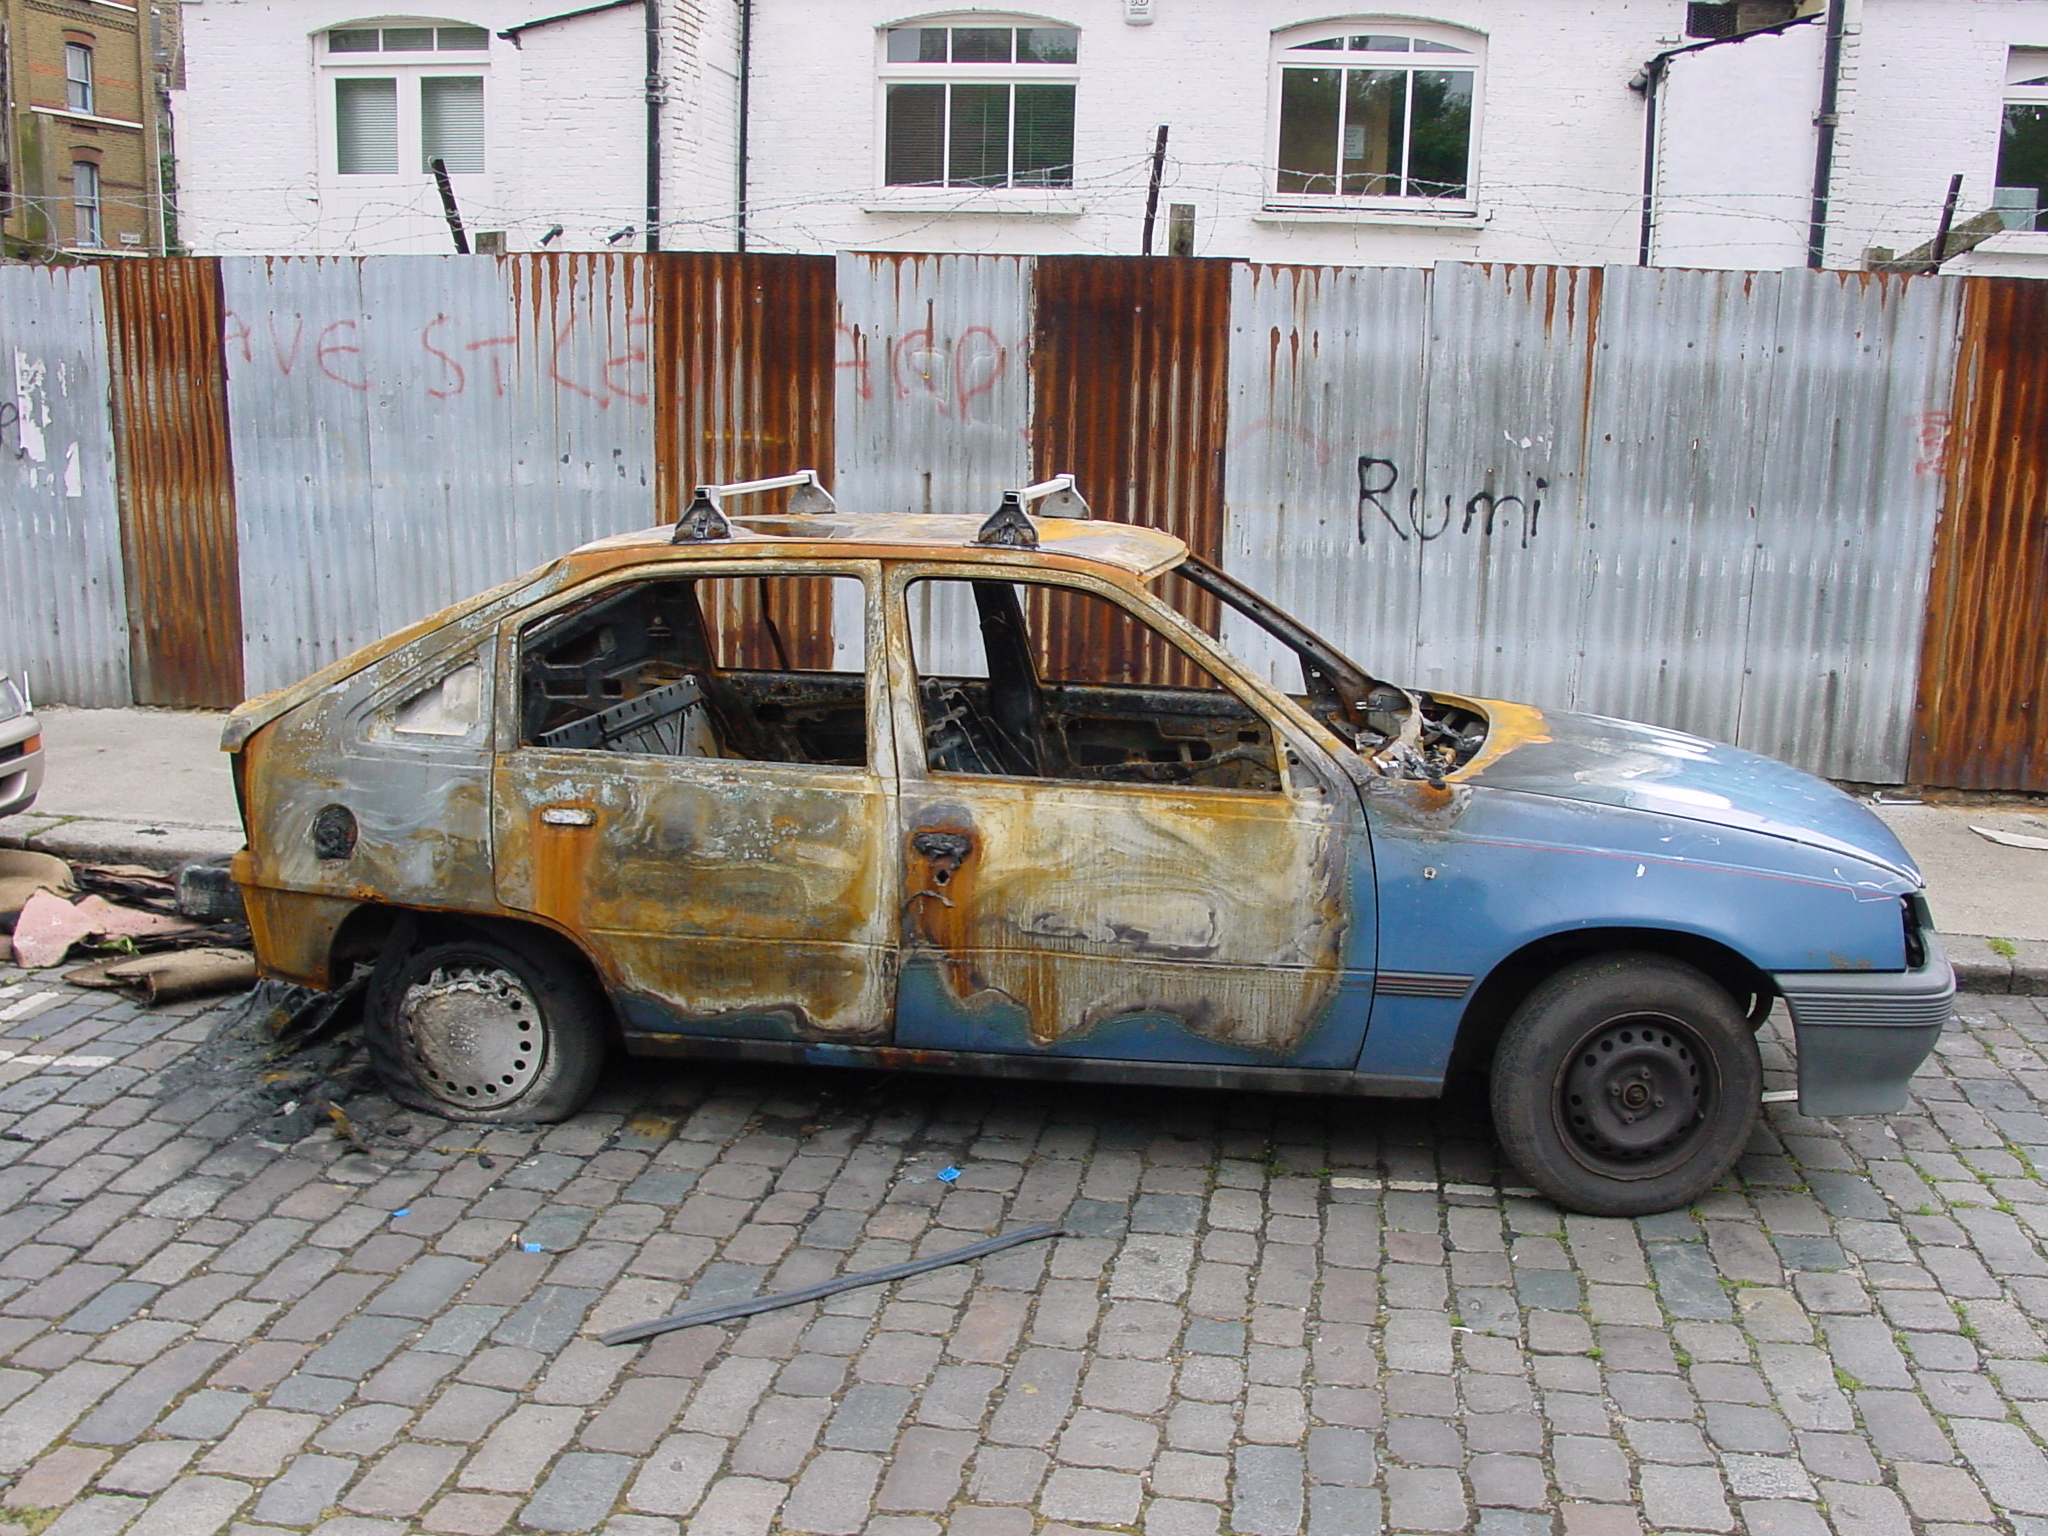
<point x="1508" y="130"/>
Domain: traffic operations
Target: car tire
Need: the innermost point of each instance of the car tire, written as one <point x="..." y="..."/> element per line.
<point x="473" y="1030"/>
<point x="1626" y="1085"/>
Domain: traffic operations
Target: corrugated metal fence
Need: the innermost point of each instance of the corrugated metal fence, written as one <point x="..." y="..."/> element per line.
<point x="1725" y="502"/>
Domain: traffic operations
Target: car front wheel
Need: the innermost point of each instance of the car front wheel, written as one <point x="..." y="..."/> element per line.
<point x="476" y="1031"/>
<point x="1626" y="1085"/>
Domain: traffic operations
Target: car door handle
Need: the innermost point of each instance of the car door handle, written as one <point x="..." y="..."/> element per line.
<point x="568" y="816"/>
<point x="944" y="852"/>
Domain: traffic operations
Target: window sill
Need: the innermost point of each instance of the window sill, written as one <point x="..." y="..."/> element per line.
<point x="979" y="204"/>
<point x="85" y="117"/>
<point x="1464" y="219"/>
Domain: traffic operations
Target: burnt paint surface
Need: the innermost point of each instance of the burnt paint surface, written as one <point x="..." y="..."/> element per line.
<point x="716" y="896"/>
<point x="1081" y="920"/>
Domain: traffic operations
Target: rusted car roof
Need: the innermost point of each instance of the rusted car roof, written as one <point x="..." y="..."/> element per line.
<point x="1125" y="547"/>
<point x="1143" y="552"/>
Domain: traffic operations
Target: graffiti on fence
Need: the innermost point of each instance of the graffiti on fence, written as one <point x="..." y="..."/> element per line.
<point x="1418" y="520"/>
<point x="449" y="363"/>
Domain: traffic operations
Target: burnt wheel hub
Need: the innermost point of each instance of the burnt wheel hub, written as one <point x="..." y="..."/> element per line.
<point x="1632" y="1091"/>
<point x="471" y="1034"/>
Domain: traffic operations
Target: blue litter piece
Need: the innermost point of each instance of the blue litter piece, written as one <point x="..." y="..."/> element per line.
<point x="406" y="1212"/>
<point x="531" y="1248"/>
<point x="948" y="1175"/>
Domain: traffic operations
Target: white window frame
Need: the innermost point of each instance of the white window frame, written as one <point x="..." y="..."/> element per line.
<point x="908" y="72"/>
<point x="408" y="68"/>
<point x="2022" y="64"/>
<point x="81" y="91"/>
<point x="1286" y="43"/>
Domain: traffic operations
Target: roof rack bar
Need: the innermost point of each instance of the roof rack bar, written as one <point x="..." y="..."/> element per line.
<point x="811" y="499"/>
<point x="1059" y="496"/>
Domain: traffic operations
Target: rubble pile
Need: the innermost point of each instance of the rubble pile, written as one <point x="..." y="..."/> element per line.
<point x="146" y="938"/>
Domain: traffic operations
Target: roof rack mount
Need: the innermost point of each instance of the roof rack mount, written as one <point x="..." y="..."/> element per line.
<point x="705" y="520"/>
<point x="1010" y="525"/>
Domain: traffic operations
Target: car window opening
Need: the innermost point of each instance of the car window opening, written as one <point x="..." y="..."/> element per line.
<point x="745" y="668"/>
<point x="1403" y="733"/>
<point x="1023" y="680"/>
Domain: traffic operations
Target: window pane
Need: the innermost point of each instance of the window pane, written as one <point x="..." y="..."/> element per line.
<point x="1045" y="135"/>
<point x="352" y="40"/>
<point x="78" y="77"/>
<point x="408" y="39"/>
<point x="1375" y="126"/>
<point x="366" y="127"/>
<point x="452" y="122"/>
<point x="1424" y="45"/>
<point x="916" y="144"/>
<point x="1047" y="45"/>
<point x="1326" y="43"/>
<point x="85" y="201"/>
<point x="1309" y="101"/>
<point x="463" y="38"/>
<point x="978" y="138"/>
<point x="905" y="45"/>
<point x="981" y="45"/>
<point x="1440" y="154"/>
<point x="2023" y="162"/>
<point x="1379" y="42"/>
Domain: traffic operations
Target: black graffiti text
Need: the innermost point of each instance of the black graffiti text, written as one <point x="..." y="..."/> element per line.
<point x="1418" y="519"/>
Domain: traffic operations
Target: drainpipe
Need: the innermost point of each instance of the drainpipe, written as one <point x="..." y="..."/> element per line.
<point x="1824" y="139"/>
<point x="746" y="82"/>
<point x="1647" y="81"/>
<point x="652" y="10"/>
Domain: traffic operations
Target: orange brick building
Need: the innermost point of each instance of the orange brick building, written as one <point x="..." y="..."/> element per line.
<point x="81" y="168"/>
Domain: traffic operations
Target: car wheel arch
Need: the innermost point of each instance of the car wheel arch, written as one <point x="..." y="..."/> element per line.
<point x="368" y="934"/>
<point x="1509" y="981"/>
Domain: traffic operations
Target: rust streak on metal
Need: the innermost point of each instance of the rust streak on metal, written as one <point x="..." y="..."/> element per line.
<point x="744" y="347"/>
<point x="1984" y="664"/>
<point x="1130" y="383"/>
<point x="178" y="530"/>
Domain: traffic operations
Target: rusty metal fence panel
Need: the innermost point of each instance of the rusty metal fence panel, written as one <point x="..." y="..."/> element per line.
<point x="410" y="429"/>
<point x="1984" y="681"/>
<point x="1700" y="499"/>
<point x="177" y="484"/>
<point x="63" y="598"/>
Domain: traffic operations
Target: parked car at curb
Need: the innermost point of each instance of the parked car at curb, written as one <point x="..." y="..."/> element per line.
<point x="21" y="748"/>
<point x="938" y="793"/>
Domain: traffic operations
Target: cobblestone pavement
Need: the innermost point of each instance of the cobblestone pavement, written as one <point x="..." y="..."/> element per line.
<point x="1274" y="1316"/>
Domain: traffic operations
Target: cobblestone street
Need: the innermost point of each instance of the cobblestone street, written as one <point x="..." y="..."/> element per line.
<point x="1270" y="1315"/>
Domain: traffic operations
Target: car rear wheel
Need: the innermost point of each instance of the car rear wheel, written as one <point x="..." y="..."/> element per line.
<point x="476" y="1031"/>
<point x="1626" y="1085"/>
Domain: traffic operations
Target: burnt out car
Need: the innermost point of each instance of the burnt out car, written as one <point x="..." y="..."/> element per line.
<point x="940" y="793"/>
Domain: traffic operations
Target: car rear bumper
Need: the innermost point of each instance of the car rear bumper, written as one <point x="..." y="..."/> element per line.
<point x="21" y="763"/>
<point x="1861" y="1035"/>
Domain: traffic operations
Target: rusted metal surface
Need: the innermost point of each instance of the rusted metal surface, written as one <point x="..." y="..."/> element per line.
<point x="410" y="429"/>
<point x="744" y="379"/>
<point x="177" y="481"/>
<point x="1984" y="676"/>
<point x="1700" y="499"/>
<point x="63" y="604"/>
<point x="1129" y="373"/>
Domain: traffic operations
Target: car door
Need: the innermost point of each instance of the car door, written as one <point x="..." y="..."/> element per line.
<point x="695" y="781"/>
<point x="1109" y="848"/>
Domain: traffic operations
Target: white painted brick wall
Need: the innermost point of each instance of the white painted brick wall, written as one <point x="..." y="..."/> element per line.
<point x="1560" y="133"/>
<point x="565" y="131"/>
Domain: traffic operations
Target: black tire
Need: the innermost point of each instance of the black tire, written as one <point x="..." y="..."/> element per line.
<point x="474" y="1030"/>
<point x="1626" y="1085"/>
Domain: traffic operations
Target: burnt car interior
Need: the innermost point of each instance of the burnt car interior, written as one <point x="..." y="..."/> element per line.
<point x="1034" y="681"/>
<point x="1405" y="734"/>
<point x="721" y="666"/>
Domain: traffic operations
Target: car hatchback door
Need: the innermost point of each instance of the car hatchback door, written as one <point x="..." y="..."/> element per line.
<point x="691" y="786"/>
<point x="1109" y="849"/>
